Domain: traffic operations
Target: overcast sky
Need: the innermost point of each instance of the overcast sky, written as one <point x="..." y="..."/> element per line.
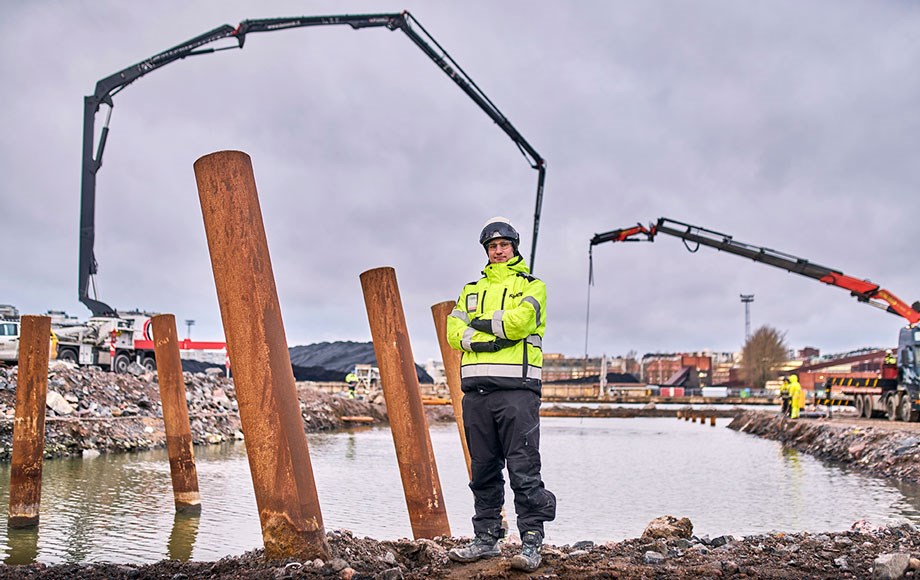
<point x="792" y="125"/>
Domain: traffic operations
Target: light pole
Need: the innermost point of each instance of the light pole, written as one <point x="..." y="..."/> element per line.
<point x="746" y="299"/>
<point x="188" y="325"/>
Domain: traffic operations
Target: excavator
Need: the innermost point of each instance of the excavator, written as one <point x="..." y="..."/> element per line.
<point x="897" y="398"/>
<point x="111" y="85"/>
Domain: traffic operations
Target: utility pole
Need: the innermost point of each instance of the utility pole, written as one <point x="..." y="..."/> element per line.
<point x="188" y="325"/>
<point x="746" y="299"/>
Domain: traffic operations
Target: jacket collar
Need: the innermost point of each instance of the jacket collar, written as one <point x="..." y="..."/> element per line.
<point x="503" y="270"/>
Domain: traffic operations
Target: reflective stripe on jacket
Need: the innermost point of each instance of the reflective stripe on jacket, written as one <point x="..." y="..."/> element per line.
<point x="514" y="304"/>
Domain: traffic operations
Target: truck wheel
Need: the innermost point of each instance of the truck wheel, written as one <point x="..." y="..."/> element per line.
<point x="122" y="361"/>
<point x="905" y="409"/>
<point x="67" y="354"/>
<point x="867" y="406"/>
<point x="150" y="364"/>
<point x="860" y="405"/>
<point x="891" y="407"/>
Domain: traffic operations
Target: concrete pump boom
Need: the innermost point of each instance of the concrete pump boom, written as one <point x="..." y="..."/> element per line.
<point x="862" y="290"/>
<point x="111" y="85"/>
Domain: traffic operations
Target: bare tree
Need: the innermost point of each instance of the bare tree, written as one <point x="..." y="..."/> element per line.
<point x="762" y="355"/>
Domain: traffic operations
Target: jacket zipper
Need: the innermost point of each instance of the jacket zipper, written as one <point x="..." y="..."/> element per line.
<point x="505" y="291"/>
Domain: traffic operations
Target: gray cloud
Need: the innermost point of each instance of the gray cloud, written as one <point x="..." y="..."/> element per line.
<point x="788" y="125"/>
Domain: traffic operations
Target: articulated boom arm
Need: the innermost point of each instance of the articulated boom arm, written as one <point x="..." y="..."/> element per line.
<point x="111" y="85"/>
<point x="862" y="290"/>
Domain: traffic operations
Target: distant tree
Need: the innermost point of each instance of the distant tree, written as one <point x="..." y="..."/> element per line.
<point x="762" y="355"/>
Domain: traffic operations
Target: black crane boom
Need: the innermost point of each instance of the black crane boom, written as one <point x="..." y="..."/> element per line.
<point x="111" y="85"/>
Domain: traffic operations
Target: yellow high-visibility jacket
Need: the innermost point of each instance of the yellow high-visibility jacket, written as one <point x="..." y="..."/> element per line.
<point x="797" y="396"/>
<point x="508" y="306"/>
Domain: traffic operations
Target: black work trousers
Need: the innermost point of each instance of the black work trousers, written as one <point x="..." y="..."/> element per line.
<point x="503" y="428"/>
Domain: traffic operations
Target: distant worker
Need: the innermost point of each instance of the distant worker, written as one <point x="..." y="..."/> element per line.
<point x="784" y="396"/>
<point x="890" y="366"/>
<point x="352" y="380"/>
<point x="498" y="323"/>
<point x="796" y="397"/>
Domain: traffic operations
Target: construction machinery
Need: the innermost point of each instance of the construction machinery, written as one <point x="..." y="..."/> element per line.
<point x="199" y="45"/>
<point x="896" y="396"/>
<point x="109" y="342"/>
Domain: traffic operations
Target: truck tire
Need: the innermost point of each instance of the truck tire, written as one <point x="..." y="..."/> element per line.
<point x="891" y="407"/>
<point x="67" y="354"/>
<point x="860" y="402"/>
<point x="905" y="410"/>
<point x="867" y="406"/>
<point x="121" y="363"/>
<point x="150" y="364"/>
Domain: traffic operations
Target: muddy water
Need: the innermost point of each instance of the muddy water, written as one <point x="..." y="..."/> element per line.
<point x="611" y="477"/>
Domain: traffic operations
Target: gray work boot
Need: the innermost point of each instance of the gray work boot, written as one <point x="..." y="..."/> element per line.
<point x="529" y="559"/>
<point x="484" y="545"/>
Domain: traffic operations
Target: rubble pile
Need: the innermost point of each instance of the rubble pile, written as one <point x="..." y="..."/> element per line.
<point x="876" y="449"/>
<point x="90" y="409"/>
<point x="666" y="550"/>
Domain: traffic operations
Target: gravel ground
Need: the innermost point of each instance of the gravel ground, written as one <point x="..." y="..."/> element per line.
<point x="98" y="410"/>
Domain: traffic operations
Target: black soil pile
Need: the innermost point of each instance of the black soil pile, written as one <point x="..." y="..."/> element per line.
<point x="339" y="358"/>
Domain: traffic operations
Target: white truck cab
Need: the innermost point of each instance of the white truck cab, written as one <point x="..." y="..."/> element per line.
<point x="9" y="341"/>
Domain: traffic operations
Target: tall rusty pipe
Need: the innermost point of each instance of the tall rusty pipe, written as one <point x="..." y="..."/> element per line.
<point x="29" y="422"/>
<point x="427" y="514"/>
<point x="175" y="414"/>
<point x="279" y="458"/>
<point x="451" y="359"/>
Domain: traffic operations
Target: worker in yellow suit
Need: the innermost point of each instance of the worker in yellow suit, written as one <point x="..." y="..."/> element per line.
<point x="796" y="396"/>
<point x="352" y="380"/>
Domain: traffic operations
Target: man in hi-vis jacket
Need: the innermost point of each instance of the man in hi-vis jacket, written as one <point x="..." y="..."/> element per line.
<point x="498" y="323"/>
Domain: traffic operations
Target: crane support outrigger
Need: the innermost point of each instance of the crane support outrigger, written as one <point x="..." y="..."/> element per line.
<point x="897" y="396"/>
<point x="113" y="84"/>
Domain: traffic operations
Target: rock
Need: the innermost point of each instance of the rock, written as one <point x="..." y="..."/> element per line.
<point x="136" y="369"/>
<point x="652" y="557"/>
<point x="649" y="407"/>
<point x="57" y="403"/>
<point x="668" y="527"/>
<point x="890" y="566"/>
<point x="576" y="553"/>
<point x="347" y="573"/>
<point x="583" y="545"/>
<point x="843" y="541"/>
<point x="914" y="564"/>
<point x="720" y="541"/>
<point x="214" y="371"/>
<point x="682" y="543"/>
<point x="729" y="567"/>
<point x="430" y="552"/>
<point x="388" y="558"/>
<point x="337" y="564"/>
<point x="390" y="574"/>
<point x="842" y="563"/>
<point x="317" y="563"/>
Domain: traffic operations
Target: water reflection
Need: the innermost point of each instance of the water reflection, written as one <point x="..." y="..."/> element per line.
<point x="21" y="545"/>
<point x="612" y="476"/>
<point x="182" y="537"/>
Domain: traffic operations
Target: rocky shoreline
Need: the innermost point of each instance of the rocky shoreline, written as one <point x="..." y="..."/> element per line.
<point x="93" y="411"/>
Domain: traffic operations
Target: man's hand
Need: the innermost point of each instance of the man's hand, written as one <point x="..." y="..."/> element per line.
<point x="492" y="346"/>
<point x="484" y="347"/>
<point x="482" y="325"/>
